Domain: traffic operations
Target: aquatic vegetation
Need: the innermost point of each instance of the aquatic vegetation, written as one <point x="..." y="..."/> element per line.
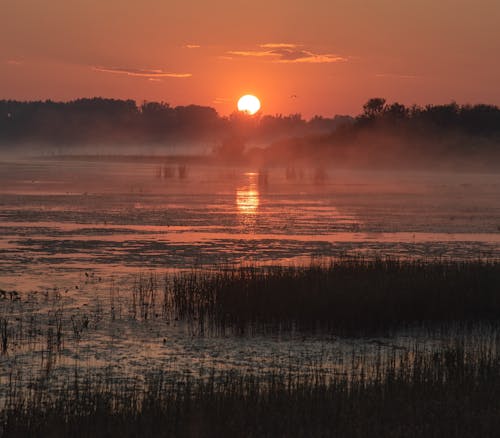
<point x="416" y="394"/>
<point x="350" y="294"/>
<point x="74" y="363"/>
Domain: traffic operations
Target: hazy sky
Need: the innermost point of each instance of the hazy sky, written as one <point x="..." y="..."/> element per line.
<point x="315" y="57"/>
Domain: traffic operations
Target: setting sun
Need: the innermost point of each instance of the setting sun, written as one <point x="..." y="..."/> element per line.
<point x="249" y="104"/>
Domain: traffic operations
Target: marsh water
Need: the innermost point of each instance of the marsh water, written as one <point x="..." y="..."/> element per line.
<point x="78" y="228"/>
<point x="60" y="219"/>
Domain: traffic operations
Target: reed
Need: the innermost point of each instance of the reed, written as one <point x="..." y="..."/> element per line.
<point x="412" y="394"/>
<point x="354" y="295"/>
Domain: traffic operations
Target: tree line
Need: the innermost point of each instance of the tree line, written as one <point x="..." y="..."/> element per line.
<point x="383" y="132"/>
<point x="392" y="134"/>
<point x="478" y="119"/>
<point x="99" y="120"/>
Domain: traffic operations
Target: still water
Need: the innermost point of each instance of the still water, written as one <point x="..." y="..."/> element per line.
<point x="75" y="234"/>
<point x="62" y="219"/>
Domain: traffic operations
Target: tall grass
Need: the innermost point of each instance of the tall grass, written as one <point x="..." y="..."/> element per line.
<point x="420" y="391"/>
<point x="411" y="394"/>
<point x="354" y="297"/>
<point x="346" y="295"/>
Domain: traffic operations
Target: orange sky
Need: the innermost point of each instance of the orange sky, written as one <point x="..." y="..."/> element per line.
<point x="331" y="54"/>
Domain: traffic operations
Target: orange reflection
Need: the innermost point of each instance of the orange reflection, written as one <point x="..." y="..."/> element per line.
<point x="247" y="200"/>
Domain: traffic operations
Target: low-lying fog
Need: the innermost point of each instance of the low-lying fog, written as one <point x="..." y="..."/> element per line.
<point x="62" y="217"/>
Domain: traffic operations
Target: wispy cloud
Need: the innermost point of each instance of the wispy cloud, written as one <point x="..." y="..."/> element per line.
<point x="288" y="53"/>
<point x="142" y="73"/>
<point x="255" y="53"/>
<point x="14" y="62"/>
<point x="305" y="56"/>
<point x="192" y="46"/>
<point x="279" y="45"/>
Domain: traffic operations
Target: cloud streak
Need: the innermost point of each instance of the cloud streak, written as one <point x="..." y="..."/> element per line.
<point x="279" y="46"/>
<point x="141" y="73"/>
<point x="305" y="56"/>
<point x="288" y="53"/>
<point x="254" y="53"/>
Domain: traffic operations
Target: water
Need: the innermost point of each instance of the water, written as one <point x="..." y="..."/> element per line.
<point x="81" y="229"/>
<point x="60" y="219"/>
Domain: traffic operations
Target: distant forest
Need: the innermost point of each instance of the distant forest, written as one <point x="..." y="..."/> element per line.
<point x="99" y="120"/>
<point x="391" y="134"/>
<point x="383" y="133"/>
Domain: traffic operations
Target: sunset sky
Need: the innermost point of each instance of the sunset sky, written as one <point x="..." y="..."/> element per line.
<point x="314" y="57"/>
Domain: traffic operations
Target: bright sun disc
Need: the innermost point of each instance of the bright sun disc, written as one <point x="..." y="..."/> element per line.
<point x="249" y="104"/>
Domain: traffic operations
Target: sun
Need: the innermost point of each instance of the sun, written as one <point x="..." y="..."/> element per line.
<point x="248" y="104"/>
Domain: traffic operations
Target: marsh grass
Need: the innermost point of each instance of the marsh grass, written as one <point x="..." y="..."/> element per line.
<point x="412" y="394"/>
<point x="423" y="390"/>
<point x="354" y="297"/>
<point x="348" y="295"/>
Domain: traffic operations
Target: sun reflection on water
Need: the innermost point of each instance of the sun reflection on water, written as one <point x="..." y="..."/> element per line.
<point x="247" y="200"/>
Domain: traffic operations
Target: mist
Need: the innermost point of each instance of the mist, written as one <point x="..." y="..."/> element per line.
<point x="383" y="136"/>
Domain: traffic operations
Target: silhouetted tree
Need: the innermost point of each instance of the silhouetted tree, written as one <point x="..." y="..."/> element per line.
<point x="158" y="120"/>
<point x="396" y="111"/>
<point x="374" y="107"/>
<point x="385" y="128"/>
